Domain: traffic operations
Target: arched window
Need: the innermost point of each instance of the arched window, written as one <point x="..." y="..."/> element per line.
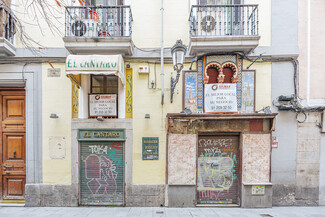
<point x="213" y="75"/>
<point x="229" y="73"/>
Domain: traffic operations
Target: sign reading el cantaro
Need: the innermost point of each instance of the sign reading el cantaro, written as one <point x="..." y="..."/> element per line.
<point x="102" y="105"/>
<point x="220" y="98"/>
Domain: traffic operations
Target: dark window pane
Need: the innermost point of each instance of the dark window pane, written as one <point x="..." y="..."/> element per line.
<point x="104" y="84"/>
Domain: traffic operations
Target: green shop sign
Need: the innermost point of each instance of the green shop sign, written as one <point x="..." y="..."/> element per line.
<point x="150" y="148"/>
<point x="101" y="134"/>
<point x="94" y="63"/>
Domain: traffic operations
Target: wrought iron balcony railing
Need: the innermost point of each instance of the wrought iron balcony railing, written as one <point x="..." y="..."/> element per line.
<point x="224" y="20"/>
<point x="7" y="25"/>
<point x="98" y="22"/>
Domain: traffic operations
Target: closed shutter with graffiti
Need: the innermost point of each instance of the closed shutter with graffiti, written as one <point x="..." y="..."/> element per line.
<point x="218" y="170"/>
<point x="101" y="173"/>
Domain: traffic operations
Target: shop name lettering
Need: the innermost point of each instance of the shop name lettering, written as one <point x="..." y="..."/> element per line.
<point x="91" y="64"/>
<point x="101" y="134"/>
<point x="150" y="141"/>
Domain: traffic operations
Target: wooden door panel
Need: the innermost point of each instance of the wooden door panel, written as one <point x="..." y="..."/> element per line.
<point x="13" y="148"/>
<point x="13" y="107"/>
<point x="13" y="144"/>
<point x="14" y="187"/>
<point x="13" y="126"/>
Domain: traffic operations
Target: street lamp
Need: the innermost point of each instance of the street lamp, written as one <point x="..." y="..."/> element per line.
<point x="178" y="53"/>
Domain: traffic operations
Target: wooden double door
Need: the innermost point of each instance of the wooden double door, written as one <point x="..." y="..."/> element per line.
<point x="12" y="144"/>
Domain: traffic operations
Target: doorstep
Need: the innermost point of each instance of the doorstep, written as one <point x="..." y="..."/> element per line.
<point x="12" y="203"/>
<point x="218" y="205"/>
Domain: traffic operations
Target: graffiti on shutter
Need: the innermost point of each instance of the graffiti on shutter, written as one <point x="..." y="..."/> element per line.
<point x="218" y="172"/>
<point x="101" y="173"/>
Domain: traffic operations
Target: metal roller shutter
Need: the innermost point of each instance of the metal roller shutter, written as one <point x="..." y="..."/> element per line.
<point x="218" y="170"/>
<point x="101" y="173"/>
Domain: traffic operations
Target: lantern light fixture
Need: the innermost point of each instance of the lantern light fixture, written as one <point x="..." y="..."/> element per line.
<point x="178" y="53"/>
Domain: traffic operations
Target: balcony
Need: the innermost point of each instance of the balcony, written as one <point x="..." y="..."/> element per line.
<point x="7" y="32"/>
<point x="223" y="29"/>
<point x="98" y="30"/>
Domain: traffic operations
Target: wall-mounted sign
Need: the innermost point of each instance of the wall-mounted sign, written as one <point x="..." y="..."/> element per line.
<point x="102" y="105"/>
<point x="248" y="91"/>
<point x="150" y="148"/>
<point x="101" y="134"/>
<point x="258" y="189"/>
<point x="220" y="98"/>
<point x="96" y="65"/>
<point x="275" y="143"/>
<point x="53" y="72"/>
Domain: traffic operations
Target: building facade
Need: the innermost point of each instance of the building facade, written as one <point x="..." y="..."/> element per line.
<point x="102" y="115"/>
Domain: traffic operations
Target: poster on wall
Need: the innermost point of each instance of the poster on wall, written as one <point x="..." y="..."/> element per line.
<point x="150" y="148"/>
<point x="102" y="105"/>
<point x="248" y="92"/>
<point x="220" y="98"/>
<point x="190" y="91"/>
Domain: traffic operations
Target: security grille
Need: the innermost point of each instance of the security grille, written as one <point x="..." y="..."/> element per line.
<point x="218" y="171"/>
<point x="101" y="173"/>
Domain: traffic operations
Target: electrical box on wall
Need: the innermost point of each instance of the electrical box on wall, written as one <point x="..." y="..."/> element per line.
<point x="143" y="70"/>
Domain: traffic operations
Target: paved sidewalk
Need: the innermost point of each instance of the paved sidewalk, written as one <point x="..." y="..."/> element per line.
<point x="159" y="212"/>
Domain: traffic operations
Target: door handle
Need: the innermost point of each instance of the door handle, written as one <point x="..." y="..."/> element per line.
<point x="14" y="153"/>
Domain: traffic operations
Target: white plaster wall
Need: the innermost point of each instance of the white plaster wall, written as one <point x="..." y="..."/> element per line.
<point x="146" y="25"/>
<point x="317" y="47"/>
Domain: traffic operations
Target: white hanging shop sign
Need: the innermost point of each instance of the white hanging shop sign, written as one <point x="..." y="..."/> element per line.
<point x="96" y="65"/>
<point x="220" y="98"/>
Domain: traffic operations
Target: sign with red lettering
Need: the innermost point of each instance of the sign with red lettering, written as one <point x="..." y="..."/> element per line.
<point x="275" y="143"/>
<point x="219" y="98"/>
<point x="102" y="105"/>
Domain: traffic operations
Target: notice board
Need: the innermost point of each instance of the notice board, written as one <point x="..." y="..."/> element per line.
<point x="219" y="98"/>
<point x="150" y="148"/>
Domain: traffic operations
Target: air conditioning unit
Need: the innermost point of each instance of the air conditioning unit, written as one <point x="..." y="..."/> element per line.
<point x="208" y="23"/>
<point x="205" y="22"/>
<point x="86" y="28"/>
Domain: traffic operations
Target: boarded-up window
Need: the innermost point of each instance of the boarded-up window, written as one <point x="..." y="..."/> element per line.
<point x="181" y="159"/>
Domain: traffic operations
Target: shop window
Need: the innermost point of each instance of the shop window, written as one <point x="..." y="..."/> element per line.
<point x="104" y="84"/>
<point x="103" y="97"/>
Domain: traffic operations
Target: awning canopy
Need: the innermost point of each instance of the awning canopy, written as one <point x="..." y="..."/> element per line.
<point x="96" y="65"/>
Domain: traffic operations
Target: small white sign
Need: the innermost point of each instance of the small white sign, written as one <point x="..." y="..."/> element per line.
<point x="220" y="98"/>
<point x="258" y="189"/>
<point x="102" y="105"/>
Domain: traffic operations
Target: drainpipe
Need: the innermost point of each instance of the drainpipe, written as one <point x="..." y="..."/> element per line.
<point x="308" y="53"/>
<point x="162" y="52"/>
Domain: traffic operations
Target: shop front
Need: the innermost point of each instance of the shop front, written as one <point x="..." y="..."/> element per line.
<point x="219" y="147"/>
<point x="219" y="159"/>
<point x="101" y="129"/>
